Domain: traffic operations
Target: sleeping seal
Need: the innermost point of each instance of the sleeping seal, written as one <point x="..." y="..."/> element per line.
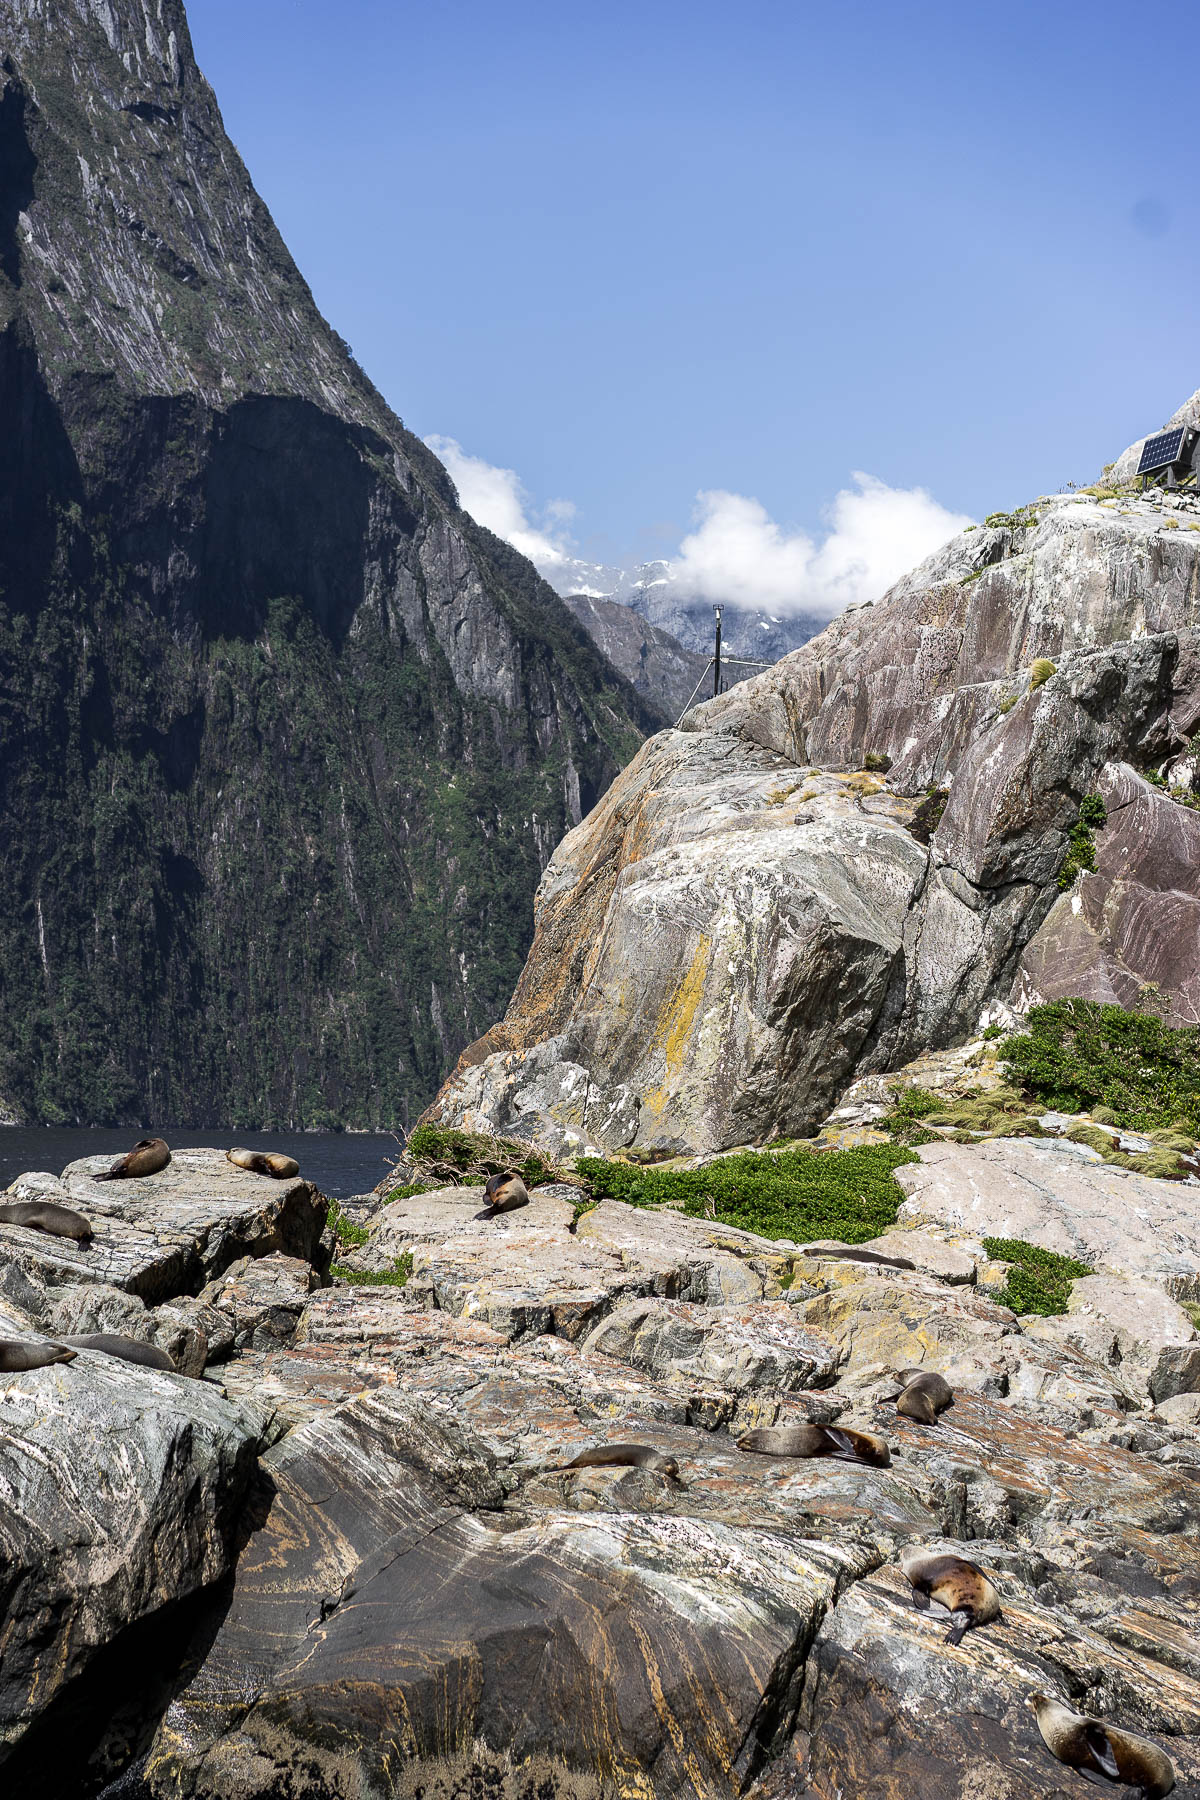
<point x="16" y="1355"/>
<point x="264" y="1162"/>
<point x="837" y="1441"/>
<point x="130" y="1350"/>
<point x="504" y="1192"/>
<point x="958" y="1585"/>
<point x="625" y="1456"/>
<point x="924" y="1394"/>
<point x="1103" y="1751"/>
<point x="147" y="1157"/>
<point x="47" y="1216"/>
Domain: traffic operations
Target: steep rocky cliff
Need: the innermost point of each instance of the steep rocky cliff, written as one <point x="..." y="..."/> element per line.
<point x="750" y="917"/>
<point x="285" y="739"/>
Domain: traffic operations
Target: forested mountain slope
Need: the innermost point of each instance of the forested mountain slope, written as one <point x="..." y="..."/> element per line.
<point x="285" y="738"/>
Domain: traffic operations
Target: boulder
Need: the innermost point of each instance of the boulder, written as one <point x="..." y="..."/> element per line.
<point x="262" y="1298"/>
<point x="736" y="1349"/>
<point x="121" y="1489"/>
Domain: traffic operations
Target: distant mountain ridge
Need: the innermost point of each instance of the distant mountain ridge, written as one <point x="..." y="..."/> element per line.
<point x="286" y="739"/>
<point x="651" y="590"/>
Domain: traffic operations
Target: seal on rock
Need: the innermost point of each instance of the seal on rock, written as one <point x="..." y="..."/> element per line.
<point x="923" y="1395"/>
<point x="147" y="1157"/>
<point x="851" y="1253"/>
<point x="130" y="1350"/>
<point x="264" y="1162"/>
<point x="1099" y="1750"/>
<point x="958" y="1585"/>
<point x="837" y="1441"/>
<point x="625" y="1456"/>
<point x="504" y="1192"/>
<point x="47" y="1216"/>
<point x="16" y="1356"/>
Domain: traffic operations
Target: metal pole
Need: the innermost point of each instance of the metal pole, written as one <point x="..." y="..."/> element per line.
<point x="717" y="656"/>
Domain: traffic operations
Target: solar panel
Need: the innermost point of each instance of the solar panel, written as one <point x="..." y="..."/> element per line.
<point x="1161" y="451"/>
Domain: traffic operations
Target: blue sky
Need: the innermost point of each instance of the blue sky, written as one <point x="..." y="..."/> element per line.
<point x="637" y="252"/>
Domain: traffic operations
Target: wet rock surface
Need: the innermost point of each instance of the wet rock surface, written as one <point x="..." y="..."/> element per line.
<point x="421" y="1596"/>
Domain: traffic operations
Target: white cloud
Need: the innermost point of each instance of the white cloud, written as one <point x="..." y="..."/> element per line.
<point x="496" y="498"/>
<point x="738" y="554"/>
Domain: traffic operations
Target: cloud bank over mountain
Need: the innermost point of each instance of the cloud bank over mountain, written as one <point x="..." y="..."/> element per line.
<point x="736" y="552"/>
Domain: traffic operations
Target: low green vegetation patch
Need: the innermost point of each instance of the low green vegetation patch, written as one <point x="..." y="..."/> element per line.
<point x="346" y="1232"/>
<point x="848" y="1195"/>
<point x="409" y="1188"/>
<point x="453" y="1156"/>
<point x="396" y="1276"/>
<point x="1039" y="1281"/>
<point x="1081" y="844"/>
<point x="1077" y="1056"/>
<point x="999" y="1111"/>
<point x="928" y="815"/>
<point x="909" y="1106"/>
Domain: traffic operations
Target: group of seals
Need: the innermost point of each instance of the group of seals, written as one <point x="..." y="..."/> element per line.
<point x="17" y="1355"/>
<point x="264" y="1162"/>
<point x="147" y="1157"/>
<point x="837" y="1441"/>
<point x="1103" y="1752"/>
<point x="47" y="1216"/>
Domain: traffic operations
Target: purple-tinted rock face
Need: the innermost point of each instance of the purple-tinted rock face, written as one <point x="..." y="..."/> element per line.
<point x="734" y="934"/>
<point x="1133" y="924"/>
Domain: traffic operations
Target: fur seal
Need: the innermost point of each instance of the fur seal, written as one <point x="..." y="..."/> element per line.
<point x="958" y="1585"/>
<point x="851" y="1253"/>
<point x="504" y="1192"/>
<point x="1104" y="1751"/>
<point x="818" y="1440"/>
<point x="625" y="1456"/>
<point x="263" y="1162"/>
<point x="47" y="1216"/>
<point x="147" y="1157"/>
<point x="16" y="1355"/>
<point x="924" y="1394"/>
<point x="130" y="1350"/>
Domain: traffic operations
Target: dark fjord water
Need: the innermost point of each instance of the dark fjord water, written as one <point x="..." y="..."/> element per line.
<point x="340" y="1163"/>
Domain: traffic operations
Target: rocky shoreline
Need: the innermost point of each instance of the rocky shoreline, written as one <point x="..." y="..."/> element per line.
<point x="341" y="1555"/>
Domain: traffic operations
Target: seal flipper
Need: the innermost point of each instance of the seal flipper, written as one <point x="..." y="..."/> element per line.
<point x="920" y="1599"/>
<point x="1096" y="1739"/>
<point x="843" y="1444"/>
<point x="961" y="1623"/>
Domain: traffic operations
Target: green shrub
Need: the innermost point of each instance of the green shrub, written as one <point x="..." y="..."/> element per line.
<point x="1081" y="845"/>
<point x="991" y="1032"/>
<point x="877" y="761"/>
<point x="345" y="1231"/>
<point x="849" y="1195"/>
<point x="396" y="1276"/>
<point x="1077" y="1056"/>
<point x="409" y="1188"/>
<point x="449" y="1154"/>
<point x="1039" y="1281"/>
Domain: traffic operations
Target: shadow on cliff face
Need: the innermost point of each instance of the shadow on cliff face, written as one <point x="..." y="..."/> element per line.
<point x="17" y="166"/>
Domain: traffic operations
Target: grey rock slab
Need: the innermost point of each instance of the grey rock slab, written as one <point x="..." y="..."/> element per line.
<point x="166" y="1234"/>
<point x="1120" y="1222"/>
<point x="120" y="1492"/>
<point x="546" y="1268"/>
<point x="737" y="1349"/>
<point x="262" y="1298"/>
<point x="929" y="1253"/>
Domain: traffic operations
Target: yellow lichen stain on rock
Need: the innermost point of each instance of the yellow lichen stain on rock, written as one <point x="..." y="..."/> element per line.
<point x="681" y="1009"/>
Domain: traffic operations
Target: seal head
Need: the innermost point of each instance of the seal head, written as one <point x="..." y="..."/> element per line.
<point x="924" y="1394"/>
<point x="953" y="1582"/>
<point x="147" y="1157"/>
<point x="1101" y="1751"/>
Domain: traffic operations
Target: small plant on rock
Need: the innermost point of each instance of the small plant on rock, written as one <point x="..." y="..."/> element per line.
<point x="1039" y="1281"/>
<point x="1041" y="671"/>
